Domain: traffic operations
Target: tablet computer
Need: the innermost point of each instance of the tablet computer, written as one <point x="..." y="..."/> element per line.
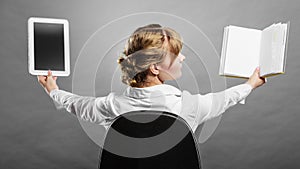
<point x="48" y="46"/>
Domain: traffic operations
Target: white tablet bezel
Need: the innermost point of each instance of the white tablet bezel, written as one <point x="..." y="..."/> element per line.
<point x="31" y="57"/>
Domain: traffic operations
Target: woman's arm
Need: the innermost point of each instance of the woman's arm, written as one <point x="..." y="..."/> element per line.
<point x="214" y="104"/>
<point x="92" y="109"/>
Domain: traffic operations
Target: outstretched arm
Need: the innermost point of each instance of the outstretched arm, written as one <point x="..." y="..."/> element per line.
<point x="92" y="109"/>
<point x="214" y="104"/>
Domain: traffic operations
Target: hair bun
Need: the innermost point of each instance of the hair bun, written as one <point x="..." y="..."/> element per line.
<point x="120" y="60"/>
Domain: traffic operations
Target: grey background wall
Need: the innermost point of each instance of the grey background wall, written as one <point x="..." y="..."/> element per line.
<point x="263" y="133"/>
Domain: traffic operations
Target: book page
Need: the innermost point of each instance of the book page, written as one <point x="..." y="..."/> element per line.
<point x="223" y="53"/>
<point x="266" y="51"/>
<point x="278" y="48"/>
<point x="242" y="53"/>
<point x="273" y="49"/>
<point x="282" y="56"/>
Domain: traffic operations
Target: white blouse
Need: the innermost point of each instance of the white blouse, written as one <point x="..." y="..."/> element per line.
<point x="195" y="109"/>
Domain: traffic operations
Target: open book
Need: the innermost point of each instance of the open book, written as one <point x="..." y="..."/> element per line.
<point x="244" y="49"/>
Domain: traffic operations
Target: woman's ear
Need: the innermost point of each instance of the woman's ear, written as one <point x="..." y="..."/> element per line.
<point x="154" y="70"/>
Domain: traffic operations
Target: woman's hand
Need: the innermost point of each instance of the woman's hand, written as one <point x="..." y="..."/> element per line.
<point x="255" y="80"/>
<point x="48" y="82"/>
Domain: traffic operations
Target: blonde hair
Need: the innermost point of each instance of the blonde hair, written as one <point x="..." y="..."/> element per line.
<point x="144" y="48"/>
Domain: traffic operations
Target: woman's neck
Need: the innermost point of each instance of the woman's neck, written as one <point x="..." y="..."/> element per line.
<point x="151" y="81"/>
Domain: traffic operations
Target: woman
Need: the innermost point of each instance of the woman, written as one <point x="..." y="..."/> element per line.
<point x="151" y="56"/>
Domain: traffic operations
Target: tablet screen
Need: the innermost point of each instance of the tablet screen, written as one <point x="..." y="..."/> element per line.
<point x="49" y="46"/>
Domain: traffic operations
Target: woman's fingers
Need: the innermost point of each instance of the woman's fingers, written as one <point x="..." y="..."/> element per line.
<point x="257" y="70"/>
<point x="258" y="74"/>
<point x="49" y="73"/>
<point x="51" y="76"/>
<point x="48" y="82"/>
<point x="42" y="80"/>
<point x="255" y="80"/>
<point x="260" y="80"/>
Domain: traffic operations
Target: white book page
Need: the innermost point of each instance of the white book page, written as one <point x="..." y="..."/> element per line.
<point x="243" y="49"/>
<point x="273" y="49"/>
<point x="284" y="33"/>
<point x="223" y="53"/>
<point x="266" y="51"/>
<point x="277" y="48"/>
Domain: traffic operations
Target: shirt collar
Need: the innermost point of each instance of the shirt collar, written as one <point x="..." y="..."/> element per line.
<point x="153" y="91"/>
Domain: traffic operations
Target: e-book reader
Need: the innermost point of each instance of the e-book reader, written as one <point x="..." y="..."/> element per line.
<point x="48" y="46"/>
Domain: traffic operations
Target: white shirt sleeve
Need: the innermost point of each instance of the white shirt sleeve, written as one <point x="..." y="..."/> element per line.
<point x="214" y="104"/>
<point x="92" y="109"/>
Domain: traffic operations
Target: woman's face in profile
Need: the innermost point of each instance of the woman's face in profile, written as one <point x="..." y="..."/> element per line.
<point x="171" y="70"/>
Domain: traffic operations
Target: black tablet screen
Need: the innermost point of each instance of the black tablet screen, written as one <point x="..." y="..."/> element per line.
<point x="49" y="46"/>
